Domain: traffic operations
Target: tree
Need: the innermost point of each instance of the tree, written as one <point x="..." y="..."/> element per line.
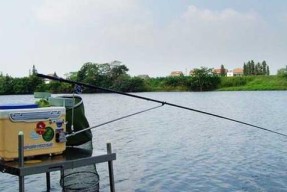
<point x="129" y="84"/>
<point x="35" y="83"/>
<point x="245" y="69"/>
<point x="282" y="72"/>
<point x="264" y="67"/>
<point x="258" y="69"/>
<point x="34" y="70"/>
<point x="88" y="74"/>
<point x="203" y="79"/>
<point x="7" y="85"/>
<point x="71" y="76"/>
<point x="250" y="68"/>
<point x="102" y="75"/>
<point x="21" y="85"/>
<point x="222" y="71"/>
<point x="117" y="71"/>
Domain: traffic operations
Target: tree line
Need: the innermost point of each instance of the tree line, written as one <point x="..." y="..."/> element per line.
<point x="115" y="76"/>
<point x="108" y="75"/>
<point x="112" y="76"/>
<point x="250" y="68"/>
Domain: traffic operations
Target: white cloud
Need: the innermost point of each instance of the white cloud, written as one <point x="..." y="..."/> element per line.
<point x="216" y="29"/>
<point x="75" y="11"/>
<point x="95" y="30"/>
<point x="208" y="38"/>
<point x="68" y="33"/>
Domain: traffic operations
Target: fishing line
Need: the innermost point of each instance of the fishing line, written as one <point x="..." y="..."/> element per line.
<point x="157" y="101"/>
<point x="111" y="121"/>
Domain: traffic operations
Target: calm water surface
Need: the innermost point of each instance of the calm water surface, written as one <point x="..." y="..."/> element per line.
<point x="171" y="149"/>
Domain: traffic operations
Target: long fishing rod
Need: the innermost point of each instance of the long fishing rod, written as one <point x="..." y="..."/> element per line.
<point x="156" y="101"/>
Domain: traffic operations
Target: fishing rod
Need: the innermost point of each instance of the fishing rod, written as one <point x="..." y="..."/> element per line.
<point x="156" y="101"/>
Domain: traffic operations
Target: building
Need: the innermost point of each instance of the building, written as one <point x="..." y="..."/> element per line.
<point x="218" y="71"/>
<point x="176" y="73"/>
<point x="143" y="76"/>
<point x="229" y="73"/>
<point x="47" y="81"/>
<point x="235" y="72"/>
<point x="238" y="72"/>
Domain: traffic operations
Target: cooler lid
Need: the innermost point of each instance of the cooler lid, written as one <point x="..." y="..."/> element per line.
<point x="18" y="106"/>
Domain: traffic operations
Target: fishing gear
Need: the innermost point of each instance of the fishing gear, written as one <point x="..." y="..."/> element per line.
<point x="77" y="90"/>
<point x="111" y="121"/>
<point x="157" y="101"/>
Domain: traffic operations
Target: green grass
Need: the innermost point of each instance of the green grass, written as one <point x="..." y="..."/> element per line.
<point x="253" y="83"/>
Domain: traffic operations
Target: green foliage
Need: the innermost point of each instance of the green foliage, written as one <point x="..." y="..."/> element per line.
<point x="282" y="72"/>
<point x="117" y="71"/>
<point x="128" y="84"/>
<point x="154" y="84"/>
<point x="72" y="76"/>
<point x="250" y="68"/>
<point x="54" y="87"/>
<point x="114" y="76"/>
<point x="253" y="83"/>
<point x="204" y="80"/>
<point x="235" y="81"/>
<point x="20" y="85"/>
<point x="43" y="103"/>
<point x="103" y="75"/>
<point x="137" y="84"/>
<point x="178" y="83"/>
<point x="25" y="85"/>
<point x="222" y="71"/>
<point x="7" y="85"/>
<point x="35" y="83"/>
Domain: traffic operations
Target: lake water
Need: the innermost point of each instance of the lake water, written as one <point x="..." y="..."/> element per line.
<point x="171" y="149"/>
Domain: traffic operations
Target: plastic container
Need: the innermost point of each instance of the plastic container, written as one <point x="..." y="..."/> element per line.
<point x="18" y="106"/>
<point x="40" y="126"/>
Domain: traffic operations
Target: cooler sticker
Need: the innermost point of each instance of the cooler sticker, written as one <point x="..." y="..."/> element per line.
<point x="38" y="146"/>
<point x="49" y="134"/>
<point x="60" y="134"/>
<point x="59" y="123"/>
<point x="40" y="128"/>
<point x="34" y="135"/>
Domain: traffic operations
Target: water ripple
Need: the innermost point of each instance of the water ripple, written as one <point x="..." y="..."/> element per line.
<point x="170" y="149"/>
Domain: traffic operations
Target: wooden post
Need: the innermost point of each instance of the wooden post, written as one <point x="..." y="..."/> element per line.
<point x="111" y="171"/>
<point x="21" y="159"/>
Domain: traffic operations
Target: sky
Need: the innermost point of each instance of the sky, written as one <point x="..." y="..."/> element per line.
<point x="153" y="37"/>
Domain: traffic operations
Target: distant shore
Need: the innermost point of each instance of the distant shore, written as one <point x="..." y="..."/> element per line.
<point x="253" y="83"/>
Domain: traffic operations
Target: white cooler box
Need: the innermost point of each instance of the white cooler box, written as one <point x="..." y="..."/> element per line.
<point x="43" y="128"/>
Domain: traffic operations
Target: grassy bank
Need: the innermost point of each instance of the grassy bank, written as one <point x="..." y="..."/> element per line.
<point x="253" y="83"/>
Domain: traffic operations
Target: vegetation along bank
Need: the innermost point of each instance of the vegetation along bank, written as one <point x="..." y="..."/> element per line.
<point x="116" y="77"/>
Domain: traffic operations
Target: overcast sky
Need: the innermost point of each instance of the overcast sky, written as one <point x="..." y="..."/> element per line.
<point x="151" y="37"/>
